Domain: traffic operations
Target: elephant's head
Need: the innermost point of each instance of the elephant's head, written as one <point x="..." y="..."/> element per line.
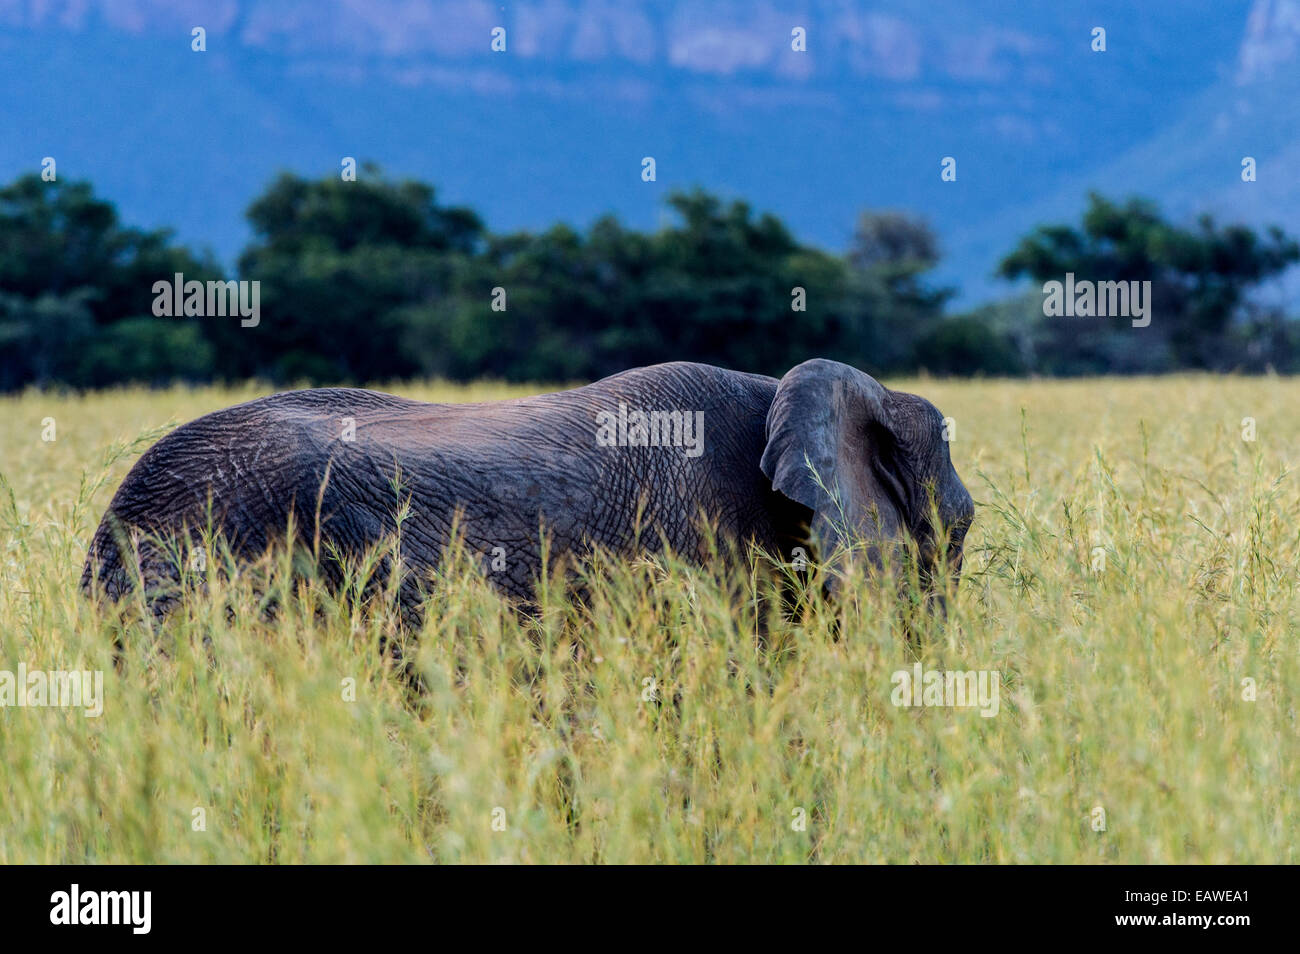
<point x="872" y="464"/>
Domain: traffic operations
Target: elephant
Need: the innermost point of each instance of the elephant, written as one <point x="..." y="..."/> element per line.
<point x="824" y="458"/>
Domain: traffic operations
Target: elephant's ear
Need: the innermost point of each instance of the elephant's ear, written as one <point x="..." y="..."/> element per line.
<point x="830" y="447"/>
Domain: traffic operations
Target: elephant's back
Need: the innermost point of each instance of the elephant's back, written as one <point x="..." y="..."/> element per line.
<point x="337" y="455"/>
<point x="262" y="452"/>
<point x="560" y="422"/>
<point x="251" y="450"/>
<point x="565" y="458"/>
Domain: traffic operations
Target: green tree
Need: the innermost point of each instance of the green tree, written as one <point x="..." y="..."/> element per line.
<point x="723" y="288"/>
<point x="42" y="338"/>
<point x="341" y="266"/>
<point x="1201" y="278"/>
<point x="70" y="273"/>
<point x="894" y="313"/>
<point x="718" y="286"/>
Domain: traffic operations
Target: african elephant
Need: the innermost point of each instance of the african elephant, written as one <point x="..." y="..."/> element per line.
<point x="824" y="456"/>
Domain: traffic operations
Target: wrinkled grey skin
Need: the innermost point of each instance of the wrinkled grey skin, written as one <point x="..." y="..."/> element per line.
<point x="505" y="469"/>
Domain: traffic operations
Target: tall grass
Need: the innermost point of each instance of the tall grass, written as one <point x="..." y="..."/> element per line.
<point x="1133" y="561"/>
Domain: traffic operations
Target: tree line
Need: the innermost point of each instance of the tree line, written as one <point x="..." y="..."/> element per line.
<point x="375" y="280"/>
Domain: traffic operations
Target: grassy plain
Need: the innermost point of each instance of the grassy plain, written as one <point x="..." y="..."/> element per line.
<point x="1131" y="577"/>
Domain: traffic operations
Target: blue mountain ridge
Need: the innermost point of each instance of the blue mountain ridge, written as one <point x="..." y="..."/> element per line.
<point x="555" y="128"/>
